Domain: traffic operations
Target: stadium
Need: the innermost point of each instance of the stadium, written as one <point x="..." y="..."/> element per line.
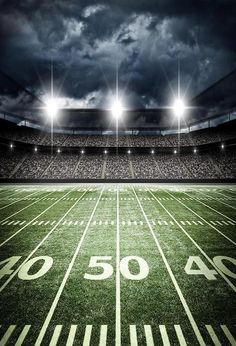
<point x="117" y="174"/>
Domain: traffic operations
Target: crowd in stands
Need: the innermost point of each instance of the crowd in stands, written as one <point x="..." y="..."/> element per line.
<point x="213" y="165"/>
<point x="36" y="137"/>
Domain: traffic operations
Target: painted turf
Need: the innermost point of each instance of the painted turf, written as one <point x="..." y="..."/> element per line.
<point x="143" y="236"/>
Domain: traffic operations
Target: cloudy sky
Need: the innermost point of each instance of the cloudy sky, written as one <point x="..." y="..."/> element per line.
<point x="86" y="40"/>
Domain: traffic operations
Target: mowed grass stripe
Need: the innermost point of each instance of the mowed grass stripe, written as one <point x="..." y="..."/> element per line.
<point x="175" y="283"/>
<point x="35" y="218"/>
<point x="18" y="200"/>
<point x="63" y="283"/>
<point x="26" y="207"/>
<point x="40" y="244"/>
<point x="202" y="218"/>
<point x="209" y="207"/>
<point x="196" y="244"/>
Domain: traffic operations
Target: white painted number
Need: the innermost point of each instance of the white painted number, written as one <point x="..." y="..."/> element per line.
<point x="24" y="272"/>
<point x="99" y="262"/>
<point x="218" y="260"/>
<point x="202" y="268"/>
<point x="25" y="269"/>
<point x="143" y="268"/>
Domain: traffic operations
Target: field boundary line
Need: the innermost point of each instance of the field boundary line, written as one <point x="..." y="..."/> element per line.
<point x="18" y="200"/>
<point x="172" y="276"/>
<point x="63" y="283"/>
<point x="118" y="319"/>
<point x="202" y="218"/>
<point x="35" y="218"/>
<point x="216" y="199"/>
<point x="41" y="242"/>
<point x="38" y="200"/>
<point x="218" y="212"/>
<point x="196" y="244"/>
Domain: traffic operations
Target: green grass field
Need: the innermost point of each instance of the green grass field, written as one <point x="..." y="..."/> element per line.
<point x="140" y="264"/>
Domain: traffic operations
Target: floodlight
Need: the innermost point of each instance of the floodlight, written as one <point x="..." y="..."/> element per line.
<point x="179" y="108"/>
<point x="129" y="151"/>
<point x="105" y="151"/>
<point x="82" y="151"/>
<point x="152" y="151"/>
<point x="36" y="149"/>
<point x="11" y="145"/>
<point x="51" y="107"/>
<point x="194" y="150"/>
<point x="222" y="146"/>
<point x="58" y="150"/>
<point x="117" y="109"/>
<point x="175" y="151"/>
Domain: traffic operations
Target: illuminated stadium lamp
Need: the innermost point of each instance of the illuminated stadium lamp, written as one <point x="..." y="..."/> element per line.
<point x="58" y="150"/>
<point x="35" y="149"/>
<point x="117" y="109"/>
<point x="105" y="151"/>
<point x="152" y="151"/>
<point x="11" y="146"/>
<point x="222" y="146"/>
<point x="175" y="151"/>
<point x="82" y="151"/>
<point x="195" y="150"/>
<point x="129" y="152"/>
<point x="51" y="107"/>
<point x="179" y="108"/>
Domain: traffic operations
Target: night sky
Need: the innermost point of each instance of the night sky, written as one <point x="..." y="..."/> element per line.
<point x="86" y="40"/>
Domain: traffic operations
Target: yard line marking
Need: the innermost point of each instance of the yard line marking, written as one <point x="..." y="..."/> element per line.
<point x="103" y="335"/>
<point x="18" y="200"/>
<point x="30" y="222"/>
<point x="22" y="335"/>
<point x="38" y="246"/>
<point x="71" y="336"/>
<point x="118" y="321"/>
<point x="231" y="223"/>
<point x="199" y="248"/>
<point x="194" y="222"/>
<point x="87" y="335"/>
<point x="176" y="285"/>
<point x="47" y="222"/>
<point x="180" y="335"/>
<point x="216" y="211"/>
<point x="7" y="335"/>
<point x="188" y="222"/>
<point x="200" y="222"/>
<point x="15" y="223"/>
<point x="218" y="200"/>
<point x="226" y="223"/>
<point x="148" y="335"/>
<point x="228" y="335"/>
<point x="213" y="335"/>
<point x="164" y="335"/>
<point x="63" y="283"/>
<point x="40" y="223"/>
<point x="211" y="223"/>
<point x="133" y="335"/>
<point x="9" y="223"/>
<point x="55" y="335"/>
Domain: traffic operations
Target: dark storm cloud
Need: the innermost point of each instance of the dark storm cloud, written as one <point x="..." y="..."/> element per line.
<point x="86" y="39"/>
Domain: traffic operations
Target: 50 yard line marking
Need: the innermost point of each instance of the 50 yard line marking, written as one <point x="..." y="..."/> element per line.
<point x="176" y="285"/>
<point x="63" y="283"/>
<point x="118" y="319"/>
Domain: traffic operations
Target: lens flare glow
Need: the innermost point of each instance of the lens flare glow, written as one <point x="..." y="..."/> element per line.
<point x="179" y="108"/>
<point x="51" y="107"/>
<point x="117" y="109"/>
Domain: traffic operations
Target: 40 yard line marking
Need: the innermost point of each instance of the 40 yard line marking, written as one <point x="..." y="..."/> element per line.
<point x="176" y="285"/>
<point x="63" y="283"/>
<point x="42" y="241"/>
<point x="118" y="322"/>
<point x="196" y="244"/>
<point x="202" y="218"/>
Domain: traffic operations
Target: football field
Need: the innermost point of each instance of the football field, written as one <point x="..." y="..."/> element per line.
<point x="117" y="264"/>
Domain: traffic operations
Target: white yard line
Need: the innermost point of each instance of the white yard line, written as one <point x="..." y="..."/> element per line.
<point x="40" y="244"/>
<point x="118" y="321"/>
<point x="202" y="218"/>
<point x="66" y="276"/>
<point x="175" y="283"/>
<point x="196" y="244"/>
